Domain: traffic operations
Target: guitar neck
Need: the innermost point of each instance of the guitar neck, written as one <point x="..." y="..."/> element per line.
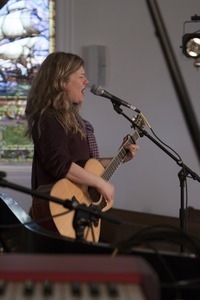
<point x="119" y="158"/>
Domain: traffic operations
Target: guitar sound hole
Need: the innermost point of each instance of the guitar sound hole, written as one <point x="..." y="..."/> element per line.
<point x="94" y="194"/>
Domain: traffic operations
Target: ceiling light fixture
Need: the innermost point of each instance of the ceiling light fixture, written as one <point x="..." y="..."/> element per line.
<point x="191" y="41"/>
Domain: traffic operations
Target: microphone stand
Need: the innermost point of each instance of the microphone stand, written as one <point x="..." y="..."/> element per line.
<point x="184" y="172"/>
<point x="82" y="212"/>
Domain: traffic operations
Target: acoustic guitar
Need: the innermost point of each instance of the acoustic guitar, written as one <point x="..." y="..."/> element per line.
<point x="88" y="196"/>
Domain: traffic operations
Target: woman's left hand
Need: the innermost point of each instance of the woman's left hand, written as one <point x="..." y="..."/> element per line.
<point x="132" y="149"/>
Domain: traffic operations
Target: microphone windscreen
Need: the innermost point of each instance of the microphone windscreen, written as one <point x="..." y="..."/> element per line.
<point x="96" y="90"/>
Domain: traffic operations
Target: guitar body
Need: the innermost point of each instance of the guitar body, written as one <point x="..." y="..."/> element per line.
<point x="65" y="189"/>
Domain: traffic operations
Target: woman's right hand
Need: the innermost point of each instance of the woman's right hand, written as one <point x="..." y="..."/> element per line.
<point x="106" y="189"/>
<point x="81" y="176"/>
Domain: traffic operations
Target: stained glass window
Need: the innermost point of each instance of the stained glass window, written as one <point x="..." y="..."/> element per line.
<point x="27" y="36"/>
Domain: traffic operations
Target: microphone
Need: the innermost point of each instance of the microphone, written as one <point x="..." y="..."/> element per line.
<point x="99" y="91"/>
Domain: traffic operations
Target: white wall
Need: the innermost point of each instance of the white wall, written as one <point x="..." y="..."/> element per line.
<point x="136" y="71"/>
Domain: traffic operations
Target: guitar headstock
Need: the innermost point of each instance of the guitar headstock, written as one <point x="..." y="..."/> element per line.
<point x="140" y="122"/>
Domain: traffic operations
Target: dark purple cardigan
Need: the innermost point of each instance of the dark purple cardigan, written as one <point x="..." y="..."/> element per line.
<point x="54" y="152"/>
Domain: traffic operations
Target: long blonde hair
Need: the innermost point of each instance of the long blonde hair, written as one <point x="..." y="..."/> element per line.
<point x="47" y="93"/>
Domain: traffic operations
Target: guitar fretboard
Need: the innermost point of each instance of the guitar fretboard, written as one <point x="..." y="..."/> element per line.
<point x="119" y="158"/>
